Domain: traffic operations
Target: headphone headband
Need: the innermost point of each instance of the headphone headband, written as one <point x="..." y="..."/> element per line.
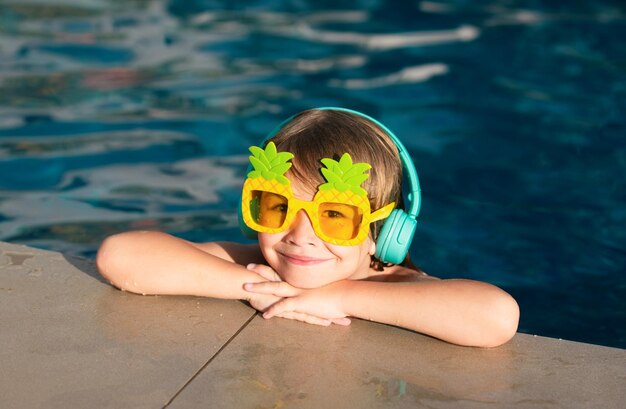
<point x="414" y="195"/>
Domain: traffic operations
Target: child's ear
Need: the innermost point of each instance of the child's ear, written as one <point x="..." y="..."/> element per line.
<point x="372" y="249"/>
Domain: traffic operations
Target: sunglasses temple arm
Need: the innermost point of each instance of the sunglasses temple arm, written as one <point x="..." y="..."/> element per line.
<point x="382" y="213"/>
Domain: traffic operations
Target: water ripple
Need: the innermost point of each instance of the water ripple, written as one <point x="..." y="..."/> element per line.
<point x="407" y="75"/>
<point x="384" y="42"/>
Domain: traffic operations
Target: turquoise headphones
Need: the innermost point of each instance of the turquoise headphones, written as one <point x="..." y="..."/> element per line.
<point x="395" y="236"/>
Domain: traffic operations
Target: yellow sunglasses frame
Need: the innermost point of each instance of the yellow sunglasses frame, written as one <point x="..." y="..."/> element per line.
<point x="310" y="207"/>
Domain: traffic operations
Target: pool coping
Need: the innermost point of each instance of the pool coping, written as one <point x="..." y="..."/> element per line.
<point x="68" y="339"/>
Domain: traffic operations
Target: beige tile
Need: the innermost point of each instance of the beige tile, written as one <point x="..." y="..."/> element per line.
<point x="280" y="363"/>
<point x="69" y="340"/>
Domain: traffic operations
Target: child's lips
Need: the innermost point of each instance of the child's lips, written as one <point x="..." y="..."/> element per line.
<point x="303" y="260"/>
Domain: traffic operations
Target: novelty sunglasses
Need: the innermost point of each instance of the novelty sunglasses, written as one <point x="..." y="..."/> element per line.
<point x="340" y="211"/>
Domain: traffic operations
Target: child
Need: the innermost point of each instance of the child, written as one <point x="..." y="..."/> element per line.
<point x="317" y="199"/>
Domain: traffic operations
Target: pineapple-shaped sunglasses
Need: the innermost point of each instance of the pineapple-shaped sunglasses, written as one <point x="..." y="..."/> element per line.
<point x="339" y="212"/>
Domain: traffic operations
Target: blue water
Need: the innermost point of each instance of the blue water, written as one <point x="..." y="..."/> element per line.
<point x="124" y="115"/>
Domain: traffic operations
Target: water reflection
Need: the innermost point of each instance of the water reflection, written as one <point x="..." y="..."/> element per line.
<point x="80" y="80"/>
<point x="407" y="75"/>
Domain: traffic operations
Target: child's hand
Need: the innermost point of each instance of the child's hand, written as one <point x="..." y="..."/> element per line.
<point x="264" y="271"/>
<point x="321" y="306"/>
<point x="262" y="301"/>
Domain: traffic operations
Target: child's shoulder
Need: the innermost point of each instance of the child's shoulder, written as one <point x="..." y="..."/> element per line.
<point x="396" y="274"/>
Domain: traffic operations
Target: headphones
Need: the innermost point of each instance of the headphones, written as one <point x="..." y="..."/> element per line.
<point x="396" y="234"/>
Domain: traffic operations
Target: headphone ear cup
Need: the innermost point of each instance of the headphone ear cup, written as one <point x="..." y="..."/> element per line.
<point x="247" y="231"/>
<point x="395" y="237"/>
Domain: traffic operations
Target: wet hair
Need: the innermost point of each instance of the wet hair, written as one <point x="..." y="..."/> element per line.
<point x="315" y="134"/>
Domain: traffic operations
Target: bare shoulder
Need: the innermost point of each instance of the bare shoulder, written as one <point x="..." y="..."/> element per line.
<point x="236" y="252"/>
<point x="400" y="274"/>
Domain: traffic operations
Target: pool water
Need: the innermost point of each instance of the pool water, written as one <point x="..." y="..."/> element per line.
<point x="125" y="115"/>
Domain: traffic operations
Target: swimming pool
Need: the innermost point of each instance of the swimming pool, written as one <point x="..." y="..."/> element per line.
<point x="124" y="115"/>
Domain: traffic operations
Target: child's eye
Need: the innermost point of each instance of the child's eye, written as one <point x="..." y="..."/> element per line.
<point x="280" y="208"/>
<point x="333" y="214"/>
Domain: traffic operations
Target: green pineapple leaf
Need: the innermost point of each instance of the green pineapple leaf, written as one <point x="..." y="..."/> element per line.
<point x="258" y="164"/>
<point x="270" y="151"/>
<point x="331" y="164"/>
<point x="281" y="169"/>
<point x="357" y="169"/>
<point x="357" y="179"/>
<point x="256" y="151"/>
<point x="259" y="154"/>
<point x="330" y="176"/>
<point x="344" y="175"/>
<point x="281" y="157"/>
<point x="270" y="164"/>
<point x="345" y="162"/>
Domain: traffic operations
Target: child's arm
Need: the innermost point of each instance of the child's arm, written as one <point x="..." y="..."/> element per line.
<point x="463" y="312"/>
<point x="157" y="263"/>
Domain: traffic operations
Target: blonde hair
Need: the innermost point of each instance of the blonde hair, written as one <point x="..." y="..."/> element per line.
<point x="315" y="134"/>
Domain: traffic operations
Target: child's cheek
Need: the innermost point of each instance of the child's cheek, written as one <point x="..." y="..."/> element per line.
<point x="266" y="242"/>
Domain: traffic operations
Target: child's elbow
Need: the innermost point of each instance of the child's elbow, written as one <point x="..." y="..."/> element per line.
<point x="504" y="317"/>
<point x="113" y="257"/>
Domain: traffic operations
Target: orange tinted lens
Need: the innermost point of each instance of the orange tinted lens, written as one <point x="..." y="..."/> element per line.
<point x="268" y="209"/>
<point x="339" y="220"/>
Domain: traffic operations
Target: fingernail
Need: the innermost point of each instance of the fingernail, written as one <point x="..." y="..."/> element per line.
<point x="251" y="266"/>
<point x="247" y="286"/>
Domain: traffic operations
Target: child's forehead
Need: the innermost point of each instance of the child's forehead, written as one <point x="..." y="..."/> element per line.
<point x="300" y="190"/>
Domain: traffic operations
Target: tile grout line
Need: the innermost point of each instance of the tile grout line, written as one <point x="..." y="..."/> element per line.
<point x="210" y="360"/>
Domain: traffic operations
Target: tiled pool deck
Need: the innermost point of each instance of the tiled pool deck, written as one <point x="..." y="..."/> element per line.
<point x="69" y="340"/>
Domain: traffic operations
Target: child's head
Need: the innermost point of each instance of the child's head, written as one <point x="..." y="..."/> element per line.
<point x="298" y="254"/>
<point x="315" y="134"/>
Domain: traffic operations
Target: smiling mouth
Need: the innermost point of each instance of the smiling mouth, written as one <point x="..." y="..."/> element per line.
<point x="303" y="260"/>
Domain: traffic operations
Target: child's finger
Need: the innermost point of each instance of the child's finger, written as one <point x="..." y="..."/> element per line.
<point x="345" y="321"/>
<point x="264" y="271"/>
<point x="309" y="319"/>
<point x="286" y="305"/>
<point x="276" y="288"/>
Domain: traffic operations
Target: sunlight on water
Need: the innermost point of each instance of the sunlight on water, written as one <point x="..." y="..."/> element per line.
<point x="407" y="75"/>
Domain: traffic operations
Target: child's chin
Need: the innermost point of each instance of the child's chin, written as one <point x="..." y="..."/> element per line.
<point x="303" y="282"/>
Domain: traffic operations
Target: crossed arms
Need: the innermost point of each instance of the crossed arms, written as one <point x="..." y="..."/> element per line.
<point x="463" y="312"/>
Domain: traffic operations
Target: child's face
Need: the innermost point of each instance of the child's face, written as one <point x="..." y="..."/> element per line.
<point x="304" y="260"/>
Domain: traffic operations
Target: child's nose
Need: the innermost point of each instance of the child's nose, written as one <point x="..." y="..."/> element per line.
<point x="301" y="230"/>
